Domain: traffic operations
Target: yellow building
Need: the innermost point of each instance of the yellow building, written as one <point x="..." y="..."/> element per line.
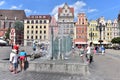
<point x="109" y="31"/>
<point x="93" y="32"/>
<point x="36" y="28"/>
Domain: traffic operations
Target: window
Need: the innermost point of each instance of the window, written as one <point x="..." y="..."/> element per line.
<point x="36" y="32"/>
<point x="40" y="37"/>
<point x="40" y="26"/>
<point x="27" y="37"/>
<point x="32" y="22"/>
<point x="31" y="37"/>
<point x="27" y="26"/>
<point x="36" y="21"/>
<point x="32" y="32"/>
<point x="32" y="27"/>
<point x="36" y="27"/>
<point x="40" y="32"/>
<point x="44" y="32"/>
<point x="44" y="21"/>
<point x="66" y="11"/>
<point x="44" y="27"/>
<point x="36" y="37"/>
<point x="28" y="21"/>
<point x="40" y="21"/>
<point x="27" y="32"/>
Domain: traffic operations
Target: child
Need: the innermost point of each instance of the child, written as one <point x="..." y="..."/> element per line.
<point x="14" y="61"/>
<point x="23" y="58"/>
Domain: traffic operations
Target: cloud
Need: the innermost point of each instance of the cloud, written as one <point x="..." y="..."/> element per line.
<point x="92" y="10"/>
<point x="16" y="7"/>
<point x="28" y="11"/>
<point x="79" y="6"/>
<point x="55" y="11"/>
<point x="2" y="2"/>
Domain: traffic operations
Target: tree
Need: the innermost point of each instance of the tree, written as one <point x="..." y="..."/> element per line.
<point x="19" y="26"/>
<point x="19" y="29"/>
<point x="7" y="34"/>
<point x="116" y="40"/>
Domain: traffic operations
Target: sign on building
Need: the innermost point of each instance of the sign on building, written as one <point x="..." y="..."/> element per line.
<point x="12" y="35"/>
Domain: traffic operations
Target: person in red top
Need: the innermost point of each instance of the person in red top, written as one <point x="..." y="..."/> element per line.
<point x="16" y="47"/>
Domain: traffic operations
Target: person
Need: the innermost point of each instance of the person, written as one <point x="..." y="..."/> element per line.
<point x="16" y="47"/>
<point x="23" y="58"/>
<point x="97" y="49"/>
<point x="14" y="61"/>
<point x="90" y="52"/>
<point x="103" y="49"/>
<point x="34" y="47"/>
<point x="82" y="53"/>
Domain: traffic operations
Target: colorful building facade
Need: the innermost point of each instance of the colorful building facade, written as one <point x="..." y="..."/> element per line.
<point x="81" y="30"/>
<point x="36" y="28"/>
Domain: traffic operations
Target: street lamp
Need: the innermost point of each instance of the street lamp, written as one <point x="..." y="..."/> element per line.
<point x="91" y="35"/>
<point x="52" y="41"/>
<point x="100" y="29"/>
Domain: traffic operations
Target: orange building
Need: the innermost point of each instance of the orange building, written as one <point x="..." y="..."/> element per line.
<point x="81" y="30"/>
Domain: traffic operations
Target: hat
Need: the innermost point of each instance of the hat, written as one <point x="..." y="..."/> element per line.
<point x="14" y="50"/>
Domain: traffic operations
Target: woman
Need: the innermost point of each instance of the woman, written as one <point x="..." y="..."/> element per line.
<point x="23" y="58"/>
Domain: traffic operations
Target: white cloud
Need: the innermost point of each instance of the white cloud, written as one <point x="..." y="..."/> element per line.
<point x="92" y="10"/>
<point x="16" y="7"/>
<point x="55" y="11"/>
<point x="28" y="11"/>
<point x="2" y="2"/>
<point x="79" y="6"/>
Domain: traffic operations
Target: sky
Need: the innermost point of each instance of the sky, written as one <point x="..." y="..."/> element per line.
<point x="93" y="9"/>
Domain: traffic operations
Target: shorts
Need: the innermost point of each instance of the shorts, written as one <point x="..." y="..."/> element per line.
<point x="15" y="65"/>
<point x="22" y="58"/>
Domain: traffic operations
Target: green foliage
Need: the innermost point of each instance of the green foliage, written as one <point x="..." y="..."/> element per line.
<point x="116" y="40"/>
<point x="7" y="33"/>
<point x="19" y="26"/>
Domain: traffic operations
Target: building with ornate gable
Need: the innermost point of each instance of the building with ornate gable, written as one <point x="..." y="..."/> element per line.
<point x="66" y="20"/>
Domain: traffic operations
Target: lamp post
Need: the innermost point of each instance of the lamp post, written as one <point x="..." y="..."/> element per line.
<point x="119" y="23"/>
<point x="52" y="41"/>
<point x="100" y="29"/>
<point x="91" y="35"/>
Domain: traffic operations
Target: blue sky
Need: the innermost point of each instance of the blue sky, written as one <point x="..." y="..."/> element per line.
<point x="93" y="8"/>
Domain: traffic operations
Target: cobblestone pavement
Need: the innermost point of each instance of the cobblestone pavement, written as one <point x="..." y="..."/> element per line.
<point x="40" y="76"/>
<point x="104" y="67"/>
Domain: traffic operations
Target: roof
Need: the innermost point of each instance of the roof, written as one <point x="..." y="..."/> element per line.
<point x="12" y="14"/>
<point x="70" y="8"/>
<point x="39" y="17"/>
<point x="53" y="21"/>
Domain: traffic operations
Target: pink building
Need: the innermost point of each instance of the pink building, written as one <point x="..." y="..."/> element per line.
<point x="81" y="30"/>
